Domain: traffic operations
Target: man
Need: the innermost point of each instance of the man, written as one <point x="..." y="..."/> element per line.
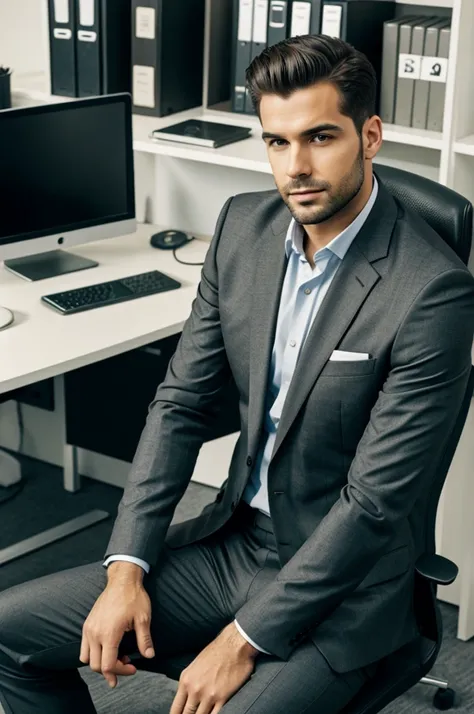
<point x="346" y="324"/>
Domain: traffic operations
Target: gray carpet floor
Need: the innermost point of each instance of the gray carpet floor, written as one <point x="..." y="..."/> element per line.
<point x="43" y="503"/>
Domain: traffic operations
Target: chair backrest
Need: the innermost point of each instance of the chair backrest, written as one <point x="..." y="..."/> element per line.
<point x="451" y="216"/>
<point x="447" y="212"/>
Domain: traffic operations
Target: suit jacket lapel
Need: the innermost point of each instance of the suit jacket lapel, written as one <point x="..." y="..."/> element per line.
<point x="270" y="268"/>
<point x="348" y="291"/>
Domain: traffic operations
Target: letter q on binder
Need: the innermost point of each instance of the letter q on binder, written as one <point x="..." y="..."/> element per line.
<point x="434" y="69"/>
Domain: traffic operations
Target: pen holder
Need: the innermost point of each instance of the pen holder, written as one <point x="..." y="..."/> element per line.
<point x="5" y="90"/>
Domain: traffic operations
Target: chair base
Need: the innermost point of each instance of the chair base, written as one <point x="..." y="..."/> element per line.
<point x="434" y="682"/>
<point x="444" y="697"/>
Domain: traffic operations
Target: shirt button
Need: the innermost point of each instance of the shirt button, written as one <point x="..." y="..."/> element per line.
<point x="292" y="343"/>
<point x="249" y="461"/>
<point x="307" y="291"/>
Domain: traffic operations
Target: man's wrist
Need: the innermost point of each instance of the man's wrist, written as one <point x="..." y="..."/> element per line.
<point x="123" y="571"/>
<point x="241" y="643"/>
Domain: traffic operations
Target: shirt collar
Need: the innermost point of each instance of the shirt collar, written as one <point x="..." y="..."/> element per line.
<point x="341" y="243"/>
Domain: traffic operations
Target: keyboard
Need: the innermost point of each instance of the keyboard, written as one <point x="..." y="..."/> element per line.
<point x="111" y="292"/>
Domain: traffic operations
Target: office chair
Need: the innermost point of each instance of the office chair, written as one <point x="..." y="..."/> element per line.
<point x="451" y="216"/>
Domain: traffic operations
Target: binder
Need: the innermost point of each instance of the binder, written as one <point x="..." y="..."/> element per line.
<point x="89" y="66"/>
<point x="423" y="85"/>
<point x="278" y="21"/>
<point x="167" y="55"/>
<point x="360" y="23"/>
<point x="103" y="47"/>
<point x="259" y="27"/>
<point x="388" y="88"/>
<point x="259" y="40"/>
<point x="409" y="83"/>
<point x="244" y="10"/>
<point x="437" y="73"/>
<point x="62" y="45"/>
<point x="306" y="18"/>
<point x="408" y="69"/>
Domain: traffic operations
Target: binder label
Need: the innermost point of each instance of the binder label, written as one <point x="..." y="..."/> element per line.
<point x="260" y="21"/>
<point x="278" y="14"/>
<point x="300" y="19"/>
<point x="145" y="23"/>
<point x="62" y="33"/>
<point x="245" y="21"/>
<point x="434" y="69"/>
<point x="61" y="11"/>
<point x="86" y="36"/>
<point x="409" y="66"/>
<point x="86" y="13"/>
<point x="143" y="86"/>
<point x="332" y="21"/>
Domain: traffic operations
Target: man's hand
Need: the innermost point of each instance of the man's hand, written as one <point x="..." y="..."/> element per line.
<point x="216" y="674"/>
<point x="123" y="606"/>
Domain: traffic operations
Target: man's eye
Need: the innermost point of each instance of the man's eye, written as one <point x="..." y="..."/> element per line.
<point x="321" y="138"/>
<point x="277" y="142"/>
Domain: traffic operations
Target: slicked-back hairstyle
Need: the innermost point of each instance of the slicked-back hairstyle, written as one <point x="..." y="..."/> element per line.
<point x="300" y="62"/>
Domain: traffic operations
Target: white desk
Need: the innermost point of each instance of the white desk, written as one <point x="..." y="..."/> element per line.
<point x="42" y="343"/>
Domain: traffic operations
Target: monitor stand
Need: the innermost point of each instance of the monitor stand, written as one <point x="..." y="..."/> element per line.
<point x="48" y="265"/>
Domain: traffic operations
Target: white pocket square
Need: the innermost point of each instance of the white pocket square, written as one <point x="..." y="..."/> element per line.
<point x="343" y="356"/>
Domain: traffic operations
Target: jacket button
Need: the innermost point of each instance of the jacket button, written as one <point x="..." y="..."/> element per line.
<point x="249" y="461"/>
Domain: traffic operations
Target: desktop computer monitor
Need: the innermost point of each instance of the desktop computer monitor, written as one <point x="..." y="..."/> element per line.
<point x="66" y="178"/>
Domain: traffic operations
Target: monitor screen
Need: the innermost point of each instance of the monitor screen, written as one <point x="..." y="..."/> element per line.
<point x="65" y="167"/>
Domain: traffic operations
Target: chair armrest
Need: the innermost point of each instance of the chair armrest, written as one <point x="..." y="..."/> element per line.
<point x="437" y="569"/>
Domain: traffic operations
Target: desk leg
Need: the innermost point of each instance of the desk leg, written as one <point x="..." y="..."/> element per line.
<point x="71" y="476"/>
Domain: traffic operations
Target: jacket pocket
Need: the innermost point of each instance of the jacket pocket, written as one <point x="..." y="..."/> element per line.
<point x="388" y="566"/>
<point x="351" y="368"/>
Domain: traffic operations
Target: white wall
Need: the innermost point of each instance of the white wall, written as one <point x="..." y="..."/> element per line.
<point x="23" y="19"/>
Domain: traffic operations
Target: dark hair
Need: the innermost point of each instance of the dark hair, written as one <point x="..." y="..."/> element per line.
<point x="299" y="62"/>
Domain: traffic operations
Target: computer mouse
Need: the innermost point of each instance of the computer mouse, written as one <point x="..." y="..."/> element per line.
<point x="167" y="240"/>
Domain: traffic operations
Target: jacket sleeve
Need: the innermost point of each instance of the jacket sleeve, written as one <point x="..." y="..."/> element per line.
<point x="178" y="421"/>
<point x="393" y="465"/>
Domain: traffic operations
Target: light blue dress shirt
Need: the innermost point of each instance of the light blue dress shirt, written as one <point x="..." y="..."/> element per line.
<point x="303" y="291"/>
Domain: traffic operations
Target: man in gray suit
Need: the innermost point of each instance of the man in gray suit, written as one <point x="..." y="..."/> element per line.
<point x="346" y="324"/>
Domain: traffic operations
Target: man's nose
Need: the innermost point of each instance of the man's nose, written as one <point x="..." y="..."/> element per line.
<point x="298" y="163"/>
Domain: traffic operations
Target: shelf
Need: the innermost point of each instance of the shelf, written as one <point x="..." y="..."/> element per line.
<point x="427" y="3"/>
<point x="413" y="137"/>
<point x="465" y="146"/>
<point x="249" y="154"/>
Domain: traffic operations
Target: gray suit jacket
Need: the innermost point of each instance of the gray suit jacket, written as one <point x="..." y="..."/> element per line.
<point x="357" y="442"/>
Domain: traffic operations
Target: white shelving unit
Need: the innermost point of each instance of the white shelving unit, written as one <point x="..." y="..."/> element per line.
<point x="185" y="187"/>
<point x="465" y="146"/>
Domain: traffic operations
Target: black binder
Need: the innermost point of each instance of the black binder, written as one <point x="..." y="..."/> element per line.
<point x="103" y="46"/>
<point x="167" y="55"/>
<point x="62" y="32"/>
<point x="243" y="34"/>
<point x="361" y="24"/>
<point x="259" y="40"/>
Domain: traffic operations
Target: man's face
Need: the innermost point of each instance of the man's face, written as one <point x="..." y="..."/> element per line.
<point x="312" y="147"/>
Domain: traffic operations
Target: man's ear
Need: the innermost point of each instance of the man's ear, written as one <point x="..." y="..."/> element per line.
<point x="372" y="136"/>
